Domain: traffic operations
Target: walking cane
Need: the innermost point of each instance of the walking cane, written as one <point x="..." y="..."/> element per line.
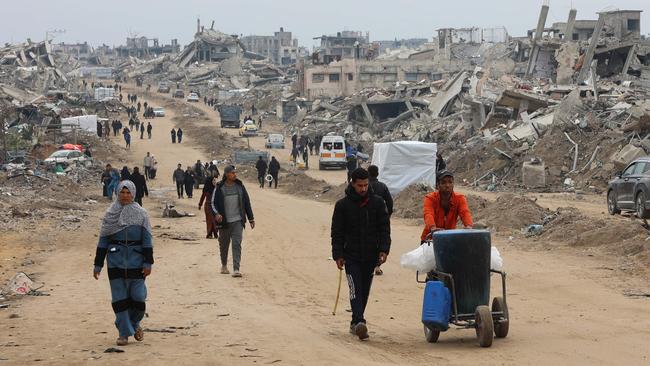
<point x="338" y="292"/>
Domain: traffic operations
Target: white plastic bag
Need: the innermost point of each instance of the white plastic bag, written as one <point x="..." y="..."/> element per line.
<point x="421" y="259"/>
<point x="496" y="263"/>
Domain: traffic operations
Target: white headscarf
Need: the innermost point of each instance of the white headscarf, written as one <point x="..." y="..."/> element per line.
<point x="118" y="217"/>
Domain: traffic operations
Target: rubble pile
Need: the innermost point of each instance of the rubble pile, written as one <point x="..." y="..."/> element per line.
<point x="29" y="66"/>
<point x="28" y="200"/>
<point x="570" y="227"/>
<point x="498" y="129"/>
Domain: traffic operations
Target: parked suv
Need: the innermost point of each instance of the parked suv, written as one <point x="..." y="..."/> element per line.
<point x="630" y="189"/>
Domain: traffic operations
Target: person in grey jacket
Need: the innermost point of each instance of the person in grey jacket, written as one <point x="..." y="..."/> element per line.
<point x="231" y="206"/>
<point x="179" y="178"/>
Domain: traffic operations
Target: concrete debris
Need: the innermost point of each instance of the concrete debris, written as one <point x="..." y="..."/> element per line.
<point x="20" y="284"/>
<point x="626" y="155"/>
<point x="171" y="212"/>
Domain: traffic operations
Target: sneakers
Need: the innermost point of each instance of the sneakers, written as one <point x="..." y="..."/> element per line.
<point x="360" y="330"/>
<point x="236" y="273"/>
<point x="224" y="270"/>
<point x="122" y="341"/>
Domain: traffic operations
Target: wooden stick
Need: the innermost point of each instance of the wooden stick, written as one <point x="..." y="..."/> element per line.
<point x="338" y="292"/>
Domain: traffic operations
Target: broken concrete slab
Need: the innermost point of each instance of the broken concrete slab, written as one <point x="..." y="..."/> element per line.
<point x="626" y="155"/>
<point x="522" y="101"/>
<point x="533" y="174"/>
<point x="448" y="92"/>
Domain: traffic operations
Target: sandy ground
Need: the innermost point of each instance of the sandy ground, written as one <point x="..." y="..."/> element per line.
<point x="565" y="308"/>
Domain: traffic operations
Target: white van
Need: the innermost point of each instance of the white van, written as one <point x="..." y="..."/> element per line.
<point x="332" y="152"/>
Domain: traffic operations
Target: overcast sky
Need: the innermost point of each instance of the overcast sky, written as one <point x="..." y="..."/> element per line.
<point x="110" y="22"/>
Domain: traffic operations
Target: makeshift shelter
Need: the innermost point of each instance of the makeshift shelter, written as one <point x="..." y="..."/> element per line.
<point x="404" y="163"/>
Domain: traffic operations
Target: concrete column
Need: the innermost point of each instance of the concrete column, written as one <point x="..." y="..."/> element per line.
<point x="570" y="24"/>
<point x="541" y="22"/>
<point x="589" y="55"/>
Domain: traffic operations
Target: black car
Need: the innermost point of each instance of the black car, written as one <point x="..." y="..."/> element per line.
<point x="630" y="189"/>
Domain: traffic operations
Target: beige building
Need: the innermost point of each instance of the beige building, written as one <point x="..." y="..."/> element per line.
<point x="349" y="76"/>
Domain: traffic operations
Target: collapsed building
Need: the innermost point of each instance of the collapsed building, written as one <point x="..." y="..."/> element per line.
<point x="545" y="112"/>
<point x="210" y="45"/>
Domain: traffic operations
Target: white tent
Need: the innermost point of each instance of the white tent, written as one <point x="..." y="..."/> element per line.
<point x="404" y="163"/>
<point x="87" y="123"/>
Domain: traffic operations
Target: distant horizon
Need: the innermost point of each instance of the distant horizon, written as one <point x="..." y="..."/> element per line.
<point x="113" y="23"/>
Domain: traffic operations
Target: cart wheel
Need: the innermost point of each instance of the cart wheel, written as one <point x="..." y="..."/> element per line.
<point x="431" y="334"/>
<point x="484" y="325"/>
<point x="501" y="326"/>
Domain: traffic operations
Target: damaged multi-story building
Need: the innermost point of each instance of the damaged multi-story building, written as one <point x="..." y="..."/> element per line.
<point x="565" y="52"/>
<point x="472" y="35"/>
<point x="210" y="45"/>
<point x="280" y="48"/>
<point x="349" y="76"/>
<point x="344" y="45"/>
<point x="411" y="43"/>
<point x="81" y="51"/>
<point x="143" y="47"/>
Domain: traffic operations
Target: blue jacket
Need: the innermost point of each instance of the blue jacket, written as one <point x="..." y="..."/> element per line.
<point x="219" y="207"/>
<point x="126" y="252"/>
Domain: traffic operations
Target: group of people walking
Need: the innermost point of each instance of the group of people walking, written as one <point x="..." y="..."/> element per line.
<point x="111" y="179"/>
<point x="184" y="180"/>
<point x="177" y="134"/>
<point x="273" y="169"/>
<point x="360" y="227"/>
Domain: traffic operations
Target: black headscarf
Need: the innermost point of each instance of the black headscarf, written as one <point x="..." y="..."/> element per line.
<point x="208" y="187"/>
<point x="125" y="174"/>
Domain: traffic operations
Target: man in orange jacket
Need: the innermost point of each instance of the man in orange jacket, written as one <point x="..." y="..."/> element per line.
<point x="443" y="207"/>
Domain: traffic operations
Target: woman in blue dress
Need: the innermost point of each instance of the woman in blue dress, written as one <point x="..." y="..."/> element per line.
<point x="125" y="243"/>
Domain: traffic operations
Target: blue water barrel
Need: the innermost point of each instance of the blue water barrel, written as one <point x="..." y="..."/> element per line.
<point x="465" y="254"/>
<point x="436" y="306"/>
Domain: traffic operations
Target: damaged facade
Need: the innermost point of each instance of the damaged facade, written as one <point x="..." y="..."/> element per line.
<point x="344" y="45"/>
<point x="281" y="48"/>
<point x="143" y="47"/>
<point x="350" y="76"/>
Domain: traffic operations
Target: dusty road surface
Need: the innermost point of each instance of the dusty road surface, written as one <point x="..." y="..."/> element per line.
<point x="565" y="308"/>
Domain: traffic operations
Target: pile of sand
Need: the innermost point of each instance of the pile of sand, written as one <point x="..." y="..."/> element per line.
<point x="510" y="212"/>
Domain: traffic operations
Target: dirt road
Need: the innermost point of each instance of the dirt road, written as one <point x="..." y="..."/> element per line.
<point x="565" y="309"/>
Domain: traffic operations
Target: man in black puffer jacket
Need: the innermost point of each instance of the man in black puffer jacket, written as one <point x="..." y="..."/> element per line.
<point x="360" y="239"/>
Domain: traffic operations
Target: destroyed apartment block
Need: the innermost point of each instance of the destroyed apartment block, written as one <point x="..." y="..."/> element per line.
<point x="209" y="45"/>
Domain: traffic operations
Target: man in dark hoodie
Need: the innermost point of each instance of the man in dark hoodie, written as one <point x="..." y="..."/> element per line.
<point x="261" y="171"/>
<point x="231" y="206"/>
<point x="140" y="185"/>
<point x="360" y="239"/>
<point x="380" y="189"/>
<point x="188" y="181"/>
<point x="274" y="169"/>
